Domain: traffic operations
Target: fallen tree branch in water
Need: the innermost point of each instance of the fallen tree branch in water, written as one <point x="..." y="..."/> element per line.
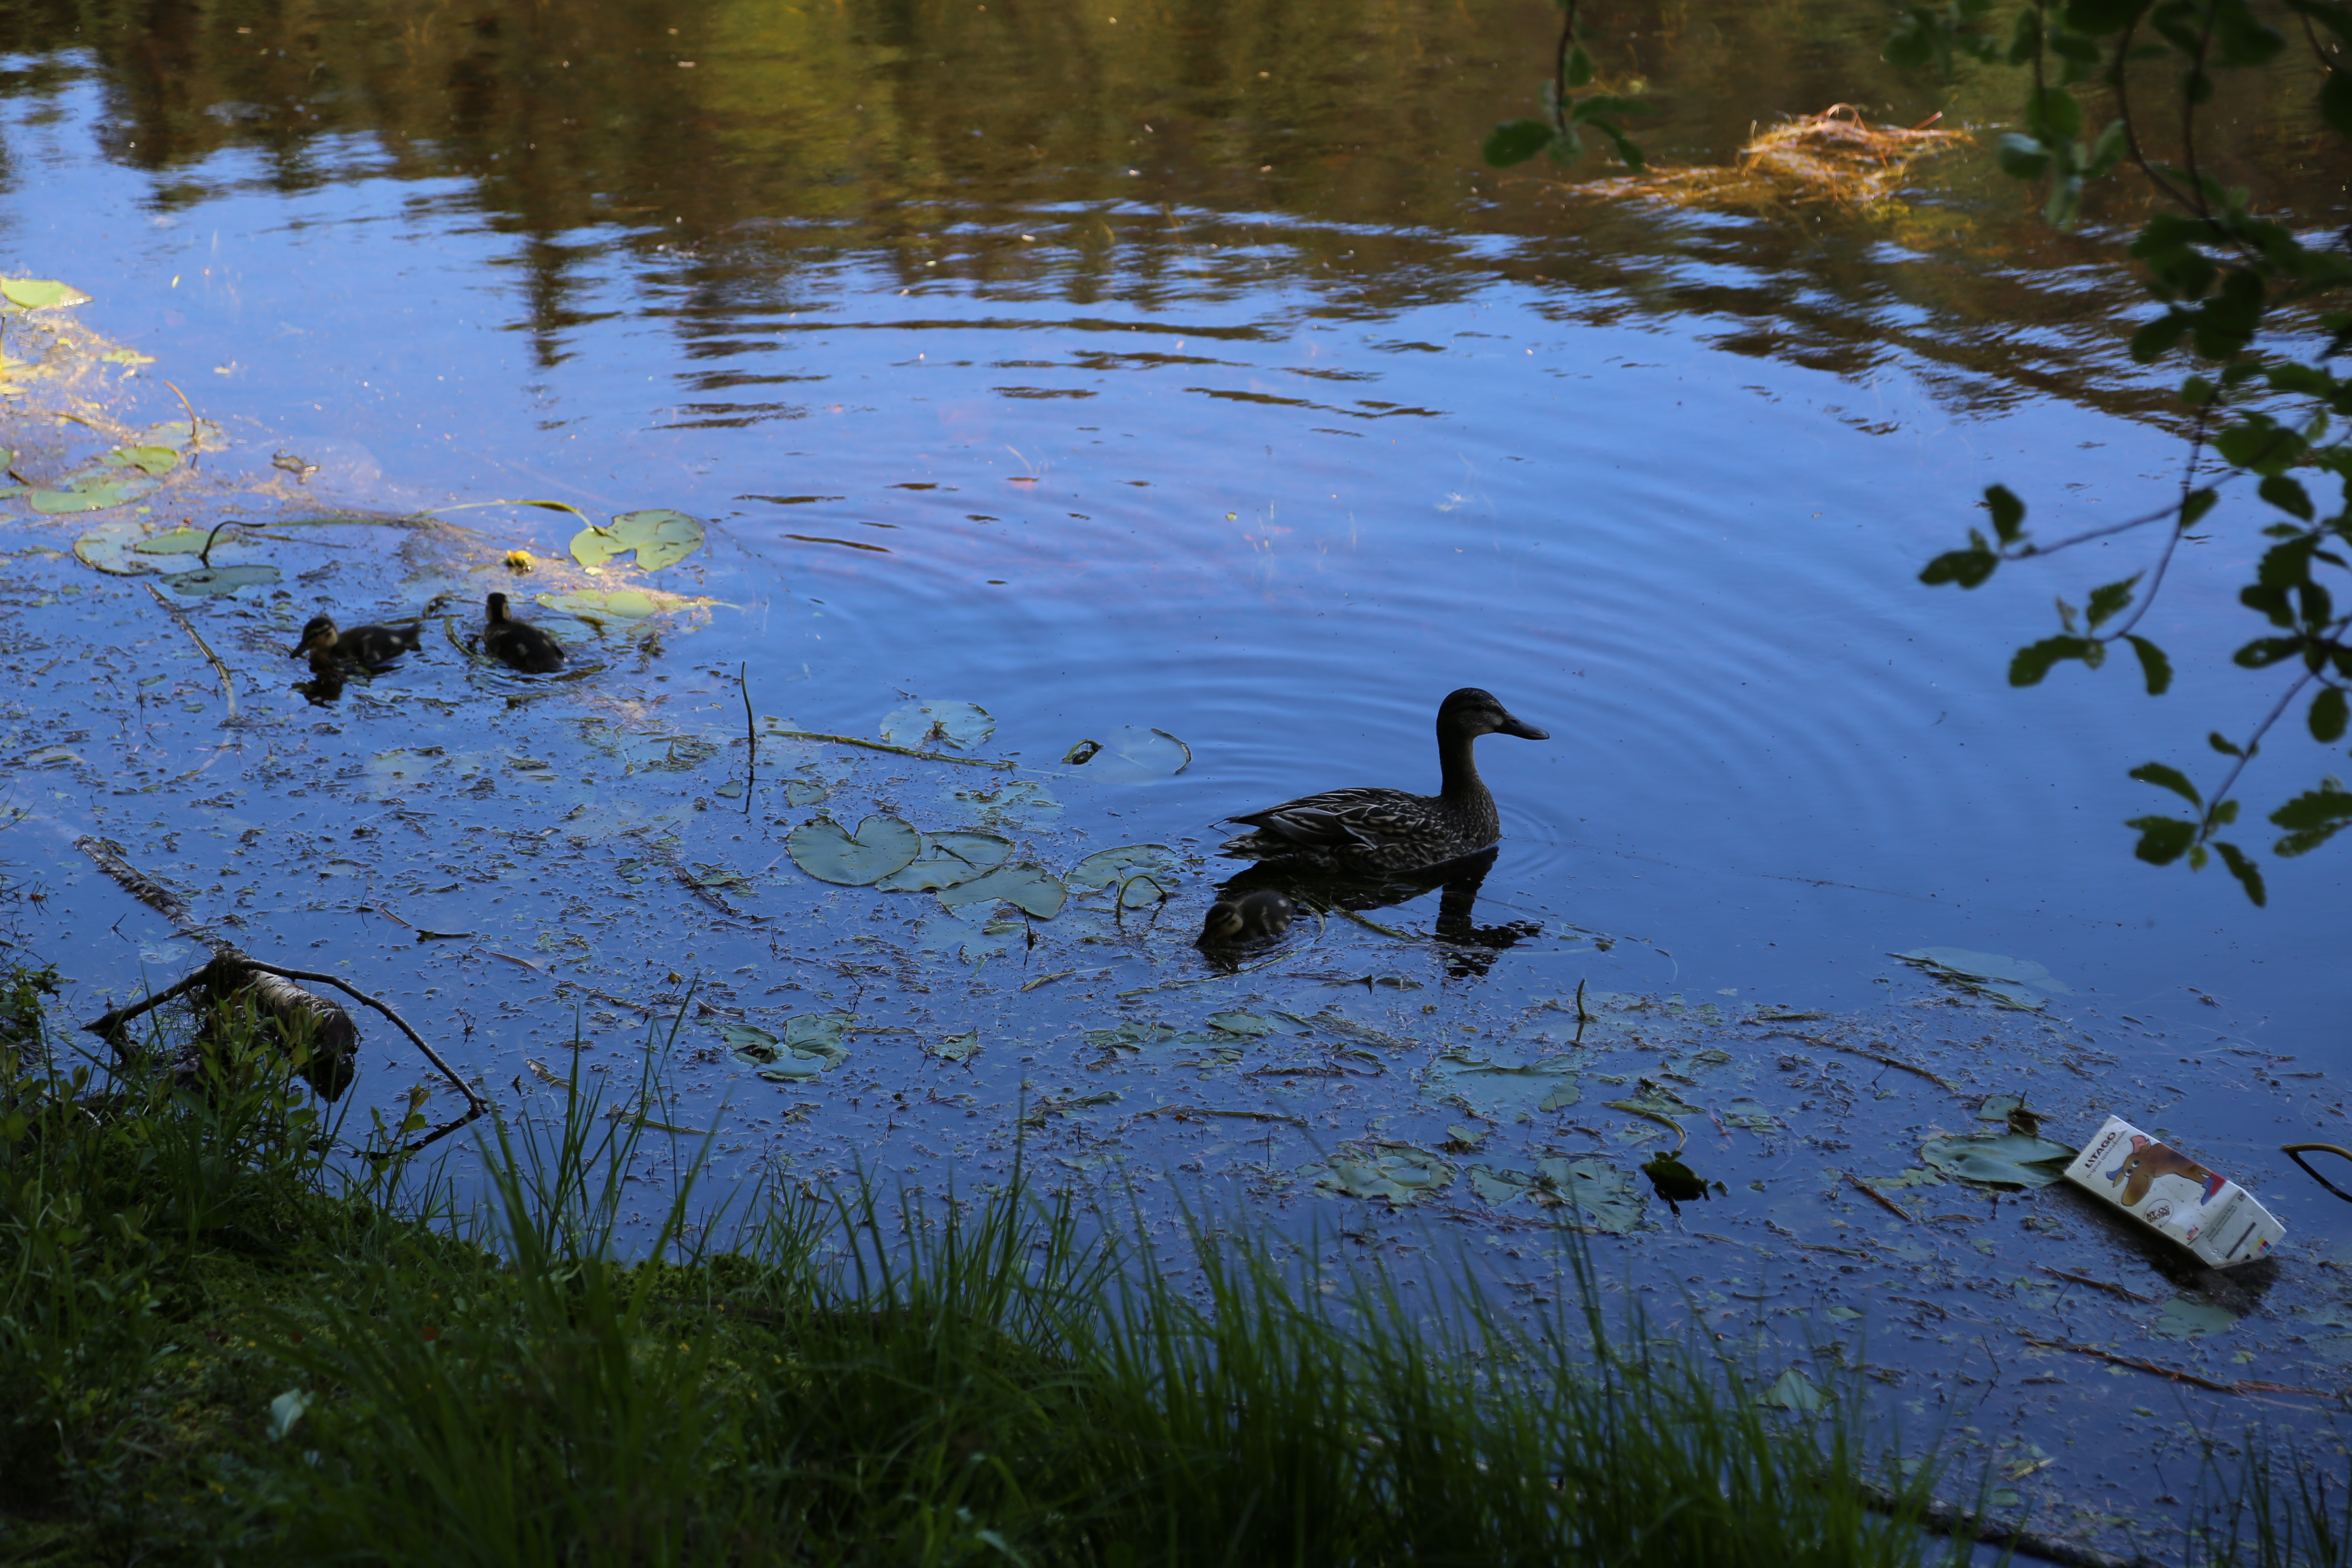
<point x="1941" y="1082"/>
<point x="229" y="690"/>
<point x="886" y="746"/>
<point x="2175" y="1375"/>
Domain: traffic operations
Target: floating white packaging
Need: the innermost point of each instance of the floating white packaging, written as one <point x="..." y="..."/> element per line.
<point x="2164" y="1189"/>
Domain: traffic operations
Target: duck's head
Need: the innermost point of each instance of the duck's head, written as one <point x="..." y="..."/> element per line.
<point x="1259" y="915"/>
<point x="497" y="605"/>
<point x="318" y="637"/>
<point x="1471" y="712"/>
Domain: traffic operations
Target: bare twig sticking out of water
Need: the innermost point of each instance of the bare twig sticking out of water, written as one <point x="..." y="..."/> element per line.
<point x="228" y="689"/>
<point x="195" y="431"/>
<point x="750" y="735"/>
<point x="474" y="1103"/>
<point x="886" y="746"/>
<point x="205" y="556"/>
<point x="1582" y="1017"/>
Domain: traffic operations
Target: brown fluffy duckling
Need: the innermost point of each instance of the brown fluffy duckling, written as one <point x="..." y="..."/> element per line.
<point x="370" y="646"/>
<point x="1260" y="915"/>
<point x="518" y="644"/>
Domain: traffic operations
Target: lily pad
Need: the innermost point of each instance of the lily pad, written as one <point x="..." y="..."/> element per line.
<point x="1792" y="1390"/>
<point x="92" y="491"/>
<point x="947" y="860"/>
<point x="1601" y="1196"/>
<point x="218" y="580"/>
<point x="2191" y="1318"/>
<point x="811" y="1045"/>
<point x="1503" y="1092"/>
<point x="958" y="1047"/>
<point x="179" y="542"/>
<point x="880" y="846"/>
<point x="660" y="538"/>
<point x="154" y="461"/>
<point x="616" y="604"/>
<point x="1398" y="1174"/>
<point x="1242" y="1023"/>
<point x="2017" y="983"/>
<point x="40" y="293"/>
<point x="210" y="437"/>
<point x="1133" y="753"/>
<point x="957" y="724"/>
<point x="1105" y="867"/>
<point x="105" y="548"/>
<point x="1998" y="1159"/>
<point x="1027" y="886"/>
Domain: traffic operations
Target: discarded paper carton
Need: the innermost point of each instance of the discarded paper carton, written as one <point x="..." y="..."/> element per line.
<point x="2209" y="1215"/>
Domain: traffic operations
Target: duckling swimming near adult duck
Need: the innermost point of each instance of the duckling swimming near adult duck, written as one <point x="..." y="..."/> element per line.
<point x="1379" y="830"/>
<point x="369" y="646"/>
<point x="518" y="644"/>
<point x="1247" y="920"/>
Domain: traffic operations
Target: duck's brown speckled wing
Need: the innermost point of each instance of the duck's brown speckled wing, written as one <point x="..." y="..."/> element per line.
<point x="1346" y="819"/>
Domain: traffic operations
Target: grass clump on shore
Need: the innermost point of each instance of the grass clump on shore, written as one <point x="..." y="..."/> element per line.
<point x="219" y="1336"/>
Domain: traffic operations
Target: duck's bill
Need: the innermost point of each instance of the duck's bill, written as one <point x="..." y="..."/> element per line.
<point x="1523" y="730"/>
<point x="300" y="649"/>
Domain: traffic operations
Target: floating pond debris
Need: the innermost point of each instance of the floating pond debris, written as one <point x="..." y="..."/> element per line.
<point x="881" y="845"/>
<point x="2017" y="983"/>
<point x="958" y="724"/>
<point x="1833" y="156"/>
<point x="2175" y="1196"/>
<point x="660" y="538"/>
<point x="1602" y="1196"/>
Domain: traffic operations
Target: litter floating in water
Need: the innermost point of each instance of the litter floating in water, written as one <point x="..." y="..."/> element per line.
<point x="2174" y="1196"/>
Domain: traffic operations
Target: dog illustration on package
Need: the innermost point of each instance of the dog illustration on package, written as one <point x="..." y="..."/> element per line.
<point x="2157" y="1185"/>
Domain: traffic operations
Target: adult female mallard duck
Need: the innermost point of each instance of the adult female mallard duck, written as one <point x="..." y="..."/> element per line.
<point x="1371" y="831"/>
<point x="518" y="643"/>
<point x="370" y="646"/>
<point x="1247" y="920"/>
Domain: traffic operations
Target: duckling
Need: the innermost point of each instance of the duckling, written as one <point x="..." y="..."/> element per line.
<point x="1247" y="920"/>
<point x="518" y="643"/>
<point x="1370" y="830"/>
<point x="369" y="646"/>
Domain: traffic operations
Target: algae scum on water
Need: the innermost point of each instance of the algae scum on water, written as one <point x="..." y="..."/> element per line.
<point x="905" y="954"/>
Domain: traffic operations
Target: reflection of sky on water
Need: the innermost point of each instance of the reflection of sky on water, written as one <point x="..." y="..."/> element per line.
<point x="1182" y="469"/>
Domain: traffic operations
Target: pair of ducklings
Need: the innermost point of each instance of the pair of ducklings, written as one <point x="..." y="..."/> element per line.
<point x="516" y="644"/>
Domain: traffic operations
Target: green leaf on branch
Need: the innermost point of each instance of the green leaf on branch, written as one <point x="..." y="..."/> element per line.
<point x="2105" y="601"/>
<point x="2153" y="665"/>
<point x="2053" y="115"/>
<point x="2197" y="505"/>
<point x="2008" y="513"/>
<point x="1966" y="567"/>
<point x="2264" y="652"/>
<point x="2172" y="779"/>
<point x="2023" y="157"/>
<point x="2288" y="495"/>
<point x="1516" y="141"/>
<point x="1578" y="69"/>
<point x="2224" y="744"/>
<point x="2031" y="663"/>
<point x="2327" y="715"/>
<point x="2312" y="817"/>
<point x="2162" y="839"/>
<point x="2158" y="338"/>
<point x="2243" y="868"/>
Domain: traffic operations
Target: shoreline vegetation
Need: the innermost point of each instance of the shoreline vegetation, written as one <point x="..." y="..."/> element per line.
<point x="221" y="1335"/>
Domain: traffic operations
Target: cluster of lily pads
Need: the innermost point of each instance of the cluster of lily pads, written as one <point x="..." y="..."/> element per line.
<point x="964" y="866"/>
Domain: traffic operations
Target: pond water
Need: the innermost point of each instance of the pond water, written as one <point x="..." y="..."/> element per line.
<point x="1184" y="371"/>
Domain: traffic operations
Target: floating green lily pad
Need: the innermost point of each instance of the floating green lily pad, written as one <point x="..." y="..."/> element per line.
<point x="1999" y="1159"/>
<point x="1400" y="1175"/>
<point x="1242" y="1023"/>
<point x="1133" y="753"/>
<point x="2018" y="982"/>
<point x="2188" y="1317"/>
<point x="40" y="293"/>
<point x="616" y="604"/>
<point x="210" y="437"/>
<point x="156" y="460"/>
<point x="219" y="580"/>
<point x="1503" y="1092"/>
<point x="958" y="724"/>
<point x="947" y="860"/>
<point x="105" y="547"/>
<point x="179" y="542"/>
<point x="660" y="538"/>
<point x="1792" y="1390"/>
<point x="1601" y="1195"/>
<point x="1027" y="886"/>
<point x="92" y="491"/>
<point x="880" y="846"/>
<point x="958" y="1047"/>
<point x="811" y="1045"/>
<point x="1105" y="867"/>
